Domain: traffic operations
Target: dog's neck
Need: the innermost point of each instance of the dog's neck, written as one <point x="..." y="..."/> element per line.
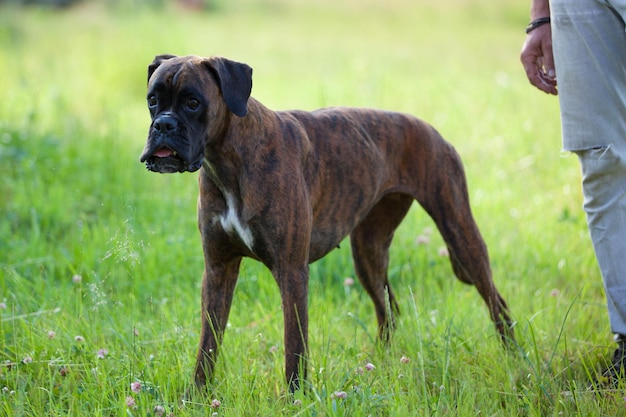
<point x="225" y="152"/>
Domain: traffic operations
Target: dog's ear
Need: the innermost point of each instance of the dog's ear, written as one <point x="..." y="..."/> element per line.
<point x="235" y="80"/>
<point x="158" y="60"/>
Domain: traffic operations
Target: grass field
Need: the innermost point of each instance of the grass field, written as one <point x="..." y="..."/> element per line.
<point x="100" y="260"/>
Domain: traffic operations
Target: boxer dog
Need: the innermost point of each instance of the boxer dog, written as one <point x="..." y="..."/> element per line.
<point x="285" y="187"/>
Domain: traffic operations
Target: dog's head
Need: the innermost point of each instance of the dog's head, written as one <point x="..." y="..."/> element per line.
<point x="190" y="100"/>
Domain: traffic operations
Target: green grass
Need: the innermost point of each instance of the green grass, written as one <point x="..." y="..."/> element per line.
<point x="74" y="200"/>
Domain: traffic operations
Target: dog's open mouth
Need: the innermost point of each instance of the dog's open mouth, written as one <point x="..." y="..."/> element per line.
<point x="164" y="152"/>
<point x="167" y="160"/>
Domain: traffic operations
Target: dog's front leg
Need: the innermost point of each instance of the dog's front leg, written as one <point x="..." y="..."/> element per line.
<point x="294" y="294"/>
<point x="218" y="286"/>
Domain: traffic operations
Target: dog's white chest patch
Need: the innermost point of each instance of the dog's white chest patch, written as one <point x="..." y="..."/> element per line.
<point x="231" y="223"/>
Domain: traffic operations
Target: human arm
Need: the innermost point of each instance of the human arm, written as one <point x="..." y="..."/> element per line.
<point x="536" y="55"/>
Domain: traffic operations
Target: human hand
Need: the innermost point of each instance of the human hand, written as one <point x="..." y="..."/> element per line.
<point x="538" y="61"/>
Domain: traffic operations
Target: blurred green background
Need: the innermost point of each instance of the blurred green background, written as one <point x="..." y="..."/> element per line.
<point x="76" y="202"/>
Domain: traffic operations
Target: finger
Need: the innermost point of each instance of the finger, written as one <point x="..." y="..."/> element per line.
<point x="548" y="59"/>
<point x="533" y="71"/>
<point x="530" y="61"/>
<point x="540" y="79"/>
<point x="549" y="83"/>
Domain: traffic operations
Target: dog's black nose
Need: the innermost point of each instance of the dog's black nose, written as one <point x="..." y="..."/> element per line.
<point x="165" y="124"/>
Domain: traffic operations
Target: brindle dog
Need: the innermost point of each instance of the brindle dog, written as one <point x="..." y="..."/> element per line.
<point x="285" y="187"/>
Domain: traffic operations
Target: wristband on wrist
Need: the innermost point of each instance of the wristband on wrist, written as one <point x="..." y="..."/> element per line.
<point x="536" y="23"/>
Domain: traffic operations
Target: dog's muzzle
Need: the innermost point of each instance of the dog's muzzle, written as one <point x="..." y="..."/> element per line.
<point x="161" y="154"/>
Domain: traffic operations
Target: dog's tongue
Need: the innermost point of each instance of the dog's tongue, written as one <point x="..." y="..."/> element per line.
<point x="163" y="152"/>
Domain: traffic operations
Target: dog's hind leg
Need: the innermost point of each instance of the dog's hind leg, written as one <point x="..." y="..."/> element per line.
<point x="445" y="197"/>
<point x="370" y="241"/>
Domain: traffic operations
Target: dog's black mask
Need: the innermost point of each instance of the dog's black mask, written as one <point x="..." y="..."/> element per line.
<point x="178" y="111"/>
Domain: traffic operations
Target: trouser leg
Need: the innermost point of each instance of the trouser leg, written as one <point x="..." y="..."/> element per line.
<point x="604" y="188"/>
<point x="590" y="58"/>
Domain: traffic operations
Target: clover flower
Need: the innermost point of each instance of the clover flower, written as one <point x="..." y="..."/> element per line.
<point x="422" y="240"/>
<point x="339" y="394"/>
<point x="130" y="402"/>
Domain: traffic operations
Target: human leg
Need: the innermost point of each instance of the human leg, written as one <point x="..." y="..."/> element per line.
<point x="590" y="57"/>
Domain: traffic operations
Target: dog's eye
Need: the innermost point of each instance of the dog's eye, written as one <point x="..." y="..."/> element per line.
<point x="152" y="101"/>
<point x="193" y="104"/>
